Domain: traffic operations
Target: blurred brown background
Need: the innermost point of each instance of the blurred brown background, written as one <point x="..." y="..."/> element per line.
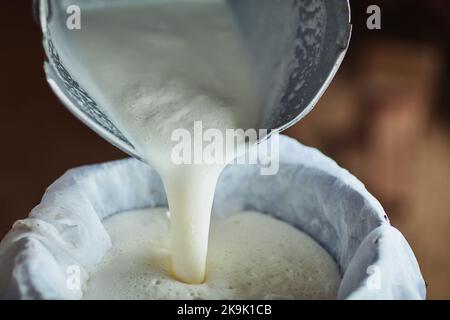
<point x="385" y="118"/>
<point x="40" y="138"/>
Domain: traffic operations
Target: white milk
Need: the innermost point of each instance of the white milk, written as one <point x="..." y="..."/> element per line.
<point x="159" y="67"/>
<point x="251" y="256"/>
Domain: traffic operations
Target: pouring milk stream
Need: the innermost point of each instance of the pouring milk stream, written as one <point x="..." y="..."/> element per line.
<point x="155" y="69"/>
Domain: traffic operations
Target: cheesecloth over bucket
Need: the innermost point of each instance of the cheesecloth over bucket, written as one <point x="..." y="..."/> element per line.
<point x="311" y="192"/>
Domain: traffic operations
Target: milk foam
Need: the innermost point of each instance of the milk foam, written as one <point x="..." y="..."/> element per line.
<point x="250" y="256"/>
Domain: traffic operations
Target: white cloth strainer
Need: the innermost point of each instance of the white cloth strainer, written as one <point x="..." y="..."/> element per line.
<point x="64" y="234"/>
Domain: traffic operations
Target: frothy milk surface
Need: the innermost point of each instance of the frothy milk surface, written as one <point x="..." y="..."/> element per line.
<point x="159" y="67"/>
<point x="250" y="256"/>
